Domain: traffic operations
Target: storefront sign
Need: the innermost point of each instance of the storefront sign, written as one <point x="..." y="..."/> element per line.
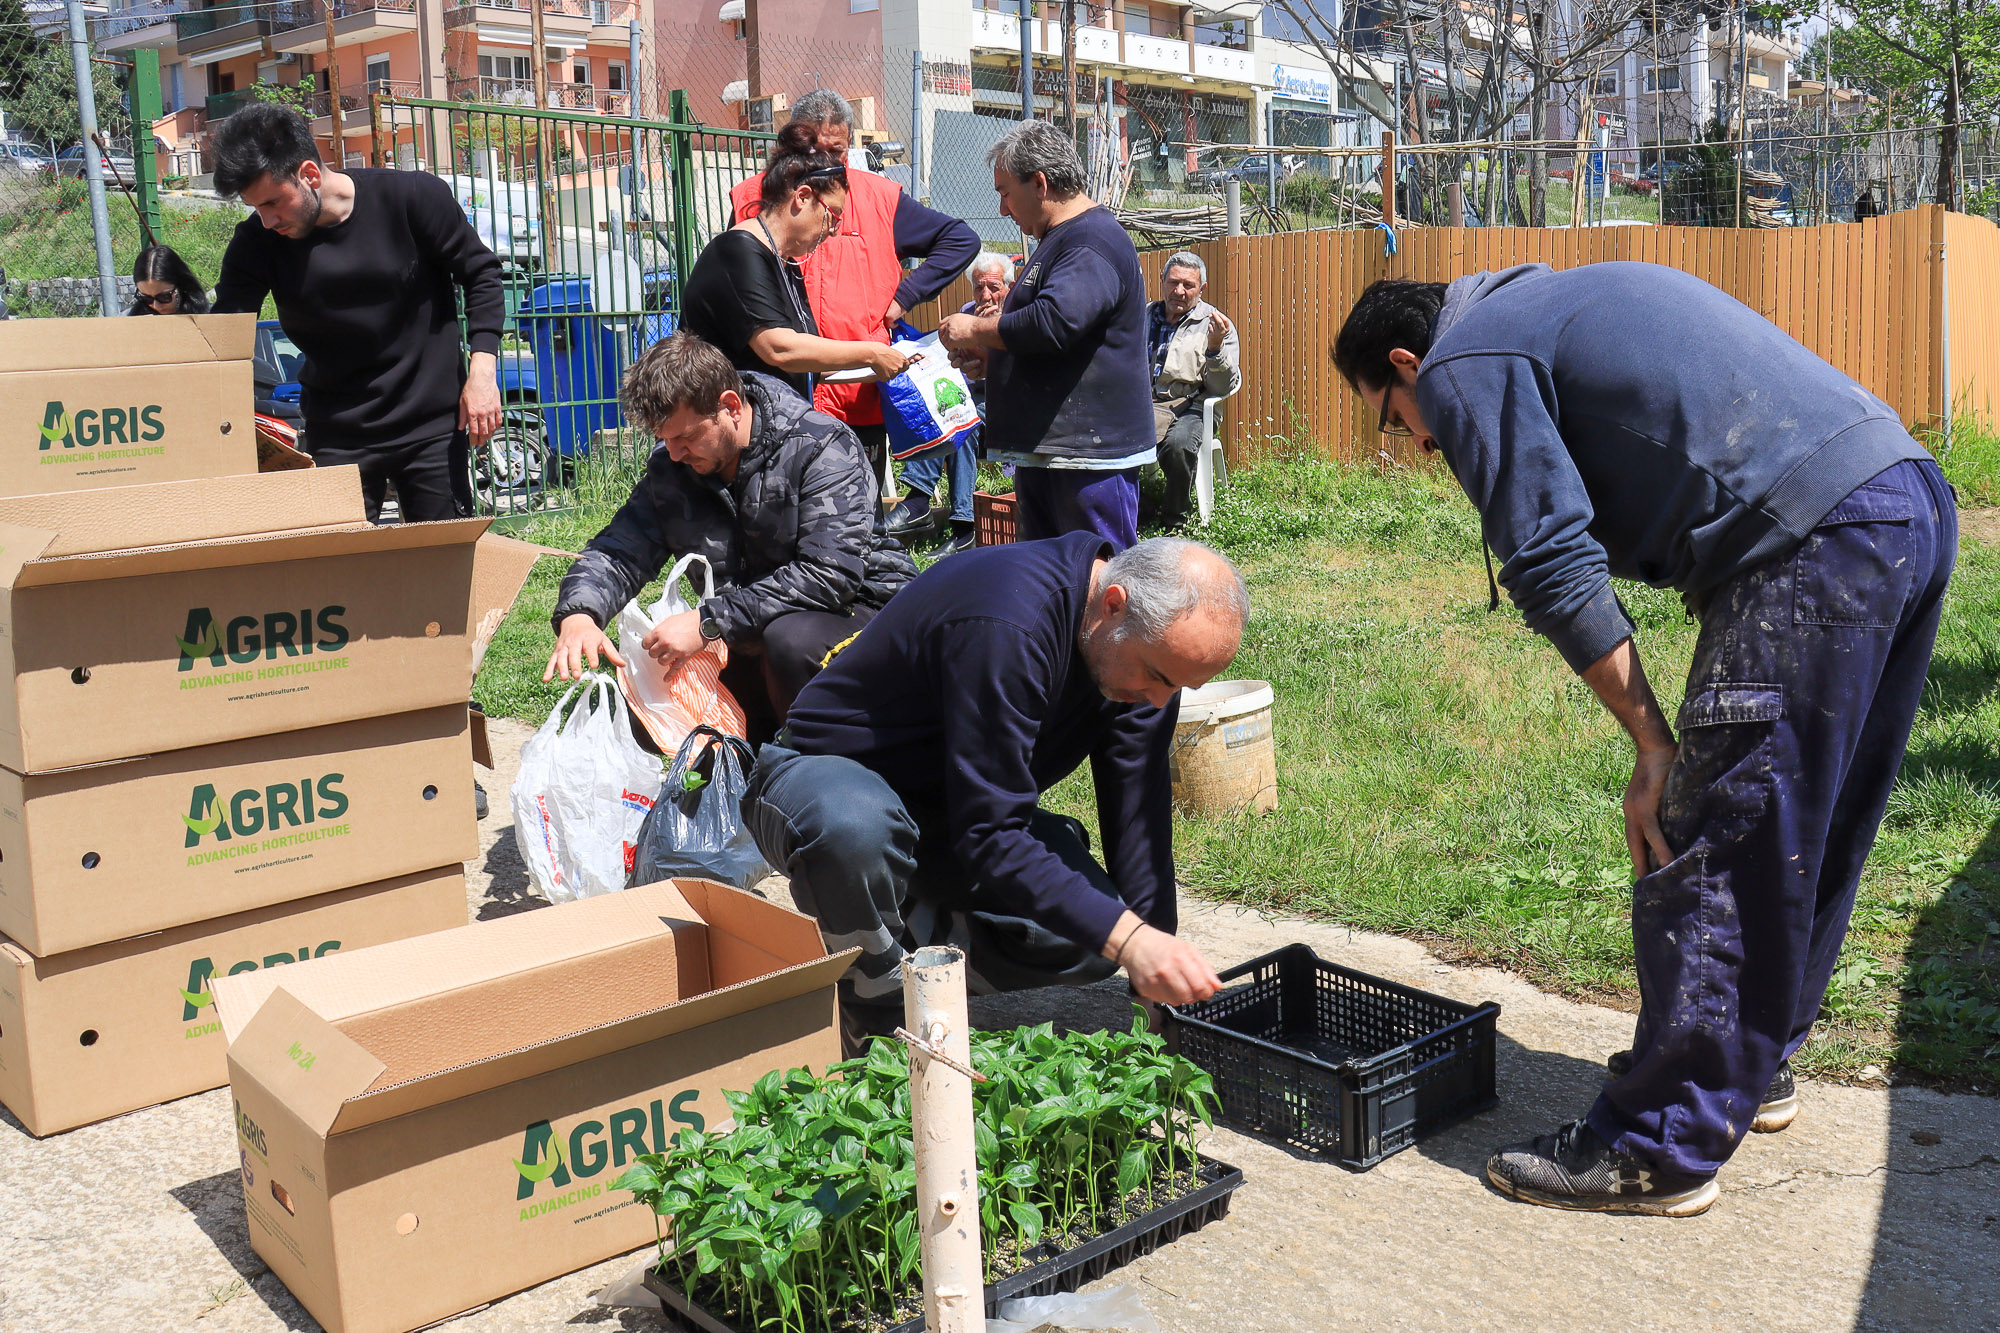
<point x="1306" y="85"/>
<point x="948" y="76"/>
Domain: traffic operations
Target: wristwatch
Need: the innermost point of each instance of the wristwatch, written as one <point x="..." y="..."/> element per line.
<point x="710" y="630"/>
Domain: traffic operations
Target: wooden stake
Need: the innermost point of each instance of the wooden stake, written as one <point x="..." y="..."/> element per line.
<point x="333" y="93"/>
<point x="941" y="1123"/>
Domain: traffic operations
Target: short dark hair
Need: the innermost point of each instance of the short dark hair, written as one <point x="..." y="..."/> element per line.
<point x="1391" y="313"/>
<point x="681" y="371"/>
<point x="795" y="156"/>
<point x="262" y="139"/>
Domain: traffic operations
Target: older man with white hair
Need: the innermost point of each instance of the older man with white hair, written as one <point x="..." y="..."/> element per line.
<point x="1194" y="357"/>
<point x="992" y="275"/>
<point x="903" y="798"/>
<point x="1065" y="359"/>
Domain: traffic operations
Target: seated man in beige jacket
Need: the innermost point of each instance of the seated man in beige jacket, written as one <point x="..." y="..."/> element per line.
<point x="1194" y="354"/>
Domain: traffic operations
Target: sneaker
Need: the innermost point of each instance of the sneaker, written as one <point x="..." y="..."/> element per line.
<point x="478" y="801"/>
<point x="961" y="539"/>
<point x="1573" y="1168"/>
<point x="1777" y="1111"/>
<point x="906" y="520"/>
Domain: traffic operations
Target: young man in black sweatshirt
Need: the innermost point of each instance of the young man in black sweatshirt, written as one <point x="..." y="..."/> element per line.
<point x="1631" y="421"/>
<point x="902" y="798"/>
<point x="363" y="265"/>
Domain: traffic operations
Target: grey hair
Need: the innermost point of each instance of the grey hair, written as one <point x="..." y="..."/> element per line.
<point x="1037" y="146"/>
<point x="822" y="106"/>
<point x="1185" y="259"/>
<point x="1162" y="584"/>
<point x="986" y="259"/>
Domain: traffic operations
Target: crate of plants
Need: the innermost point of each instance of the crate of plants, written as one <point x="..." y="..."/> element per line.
<point x="1336" y="1061"/>
<point x="803" y="1218"/>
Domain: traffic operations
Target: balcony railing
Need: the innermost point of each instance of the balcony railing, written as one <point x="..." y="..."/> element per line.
<point x="355" y="96"/>
<point x="201" y="22"/>
<point x="562" y="96"/>
<point x="462" y="13"/>
<point x="223" y="105"/>
<point x="141" y="16"/>
<point x="608" y="13"/>
<point x="312" y="13"/>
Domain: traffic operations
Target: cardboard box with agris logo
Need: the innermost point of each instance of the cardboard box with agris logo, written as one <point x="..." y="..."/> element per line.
<point x="90" y="403"/>
<point x="109" y="1029"/>
<point x="432" y="1124"/>
<point x="153" y="618"/>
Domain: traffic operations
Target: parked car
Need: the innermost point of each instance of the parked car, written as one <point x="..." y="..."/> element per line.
<point x="26" y="161"/>
<point x="70" y="163"/>
<point x="276" y="347"/>
<point x="1254" y="168"/>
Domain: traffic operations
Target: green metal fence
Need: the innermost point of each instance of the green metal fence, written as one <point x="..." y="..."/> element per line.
<point x="596" y="219"/>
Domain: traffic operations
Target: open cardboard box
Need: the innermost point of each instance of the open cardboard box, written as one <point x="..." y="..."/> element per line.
<point x="430" y="1125"/>
<point x="88" y="403"/>
<point x="120" y="1026"/>
<point x="152" y="618"/>
<point x="217" y="829"/>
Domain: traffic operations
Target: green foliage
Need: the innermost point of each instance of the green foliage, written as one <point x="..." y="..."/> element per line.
<point x="38" y="85"/>
<point x="803" y="1216"/>
<point x="1969" y="453"/>
<point x="298" y="96"/>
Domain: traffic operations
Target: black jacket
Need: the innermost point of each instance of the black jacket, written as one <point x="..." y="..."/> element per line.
<point x="798" y="529"/>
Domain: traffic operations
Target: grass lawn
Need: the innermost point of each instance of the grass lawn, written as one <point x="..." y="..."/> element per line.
<point x="1444" y="776"/>
<point x="45" y="233"/>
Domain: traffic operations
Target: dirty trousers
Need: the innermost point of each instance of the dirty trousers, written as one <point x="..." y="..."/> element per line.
<point x="1799" y="703"/>
<point x="876" y="875"/>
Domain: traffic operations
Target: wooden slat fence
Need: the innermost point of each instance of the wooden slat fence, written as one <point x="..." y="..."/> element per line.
<point x="1908" y="304"/>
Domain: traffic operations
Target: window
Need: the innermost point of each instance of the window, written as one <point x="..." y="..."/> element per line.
<point x="1278" y="23"/>
<point x="1221" y="30"/>
<point x="579" y="72"/>
<point x="600" y="12"/>
<point x="863" y="6"/>
<point x="176" y="90"/>
<point x="1663" y="78"/>
<point x="378" y="73"/>
<point x="1605" y="84"/>
<point x="614" y="75"/>
<point x="510" y="69"/>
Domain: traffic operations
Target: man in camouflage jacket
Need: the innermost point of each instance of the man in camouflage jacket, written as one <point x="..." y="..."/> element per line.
<point x="781" y="501"/>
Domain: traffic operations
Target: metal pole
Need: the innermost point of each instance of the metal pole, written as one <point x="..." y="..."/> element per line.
<point x="1027" y="60"/>
<point x="632" y="83"/>
<point x="93" y="165"/>
<point x="1233" y="196"/>
<point x="333" y="107"/>
<point x="145" y="91"/>
<point x="1389" y="178"/>
<point x="941" y="1126"/>
<point x="753" y="57"/>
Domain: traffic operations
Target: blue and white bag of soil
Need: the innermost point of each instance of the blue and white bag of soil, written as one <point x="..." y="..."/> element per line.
<point x="929" y="404"/>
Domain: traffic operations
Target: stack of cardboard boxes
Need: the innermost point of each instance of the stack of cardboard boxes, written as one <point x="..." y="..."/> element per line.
<point x="233" y="724"/>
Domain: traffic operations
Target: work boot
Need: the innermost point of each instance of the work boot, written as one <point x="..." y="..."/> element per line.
<point x="1777" y="1111"/>
<point x="1573" y="1168"/>
<point x="963" y="538"/>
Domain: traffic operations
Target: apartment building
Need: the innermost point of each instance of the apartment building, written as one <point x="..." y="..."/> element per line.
<point x="1670" y="88"/>
<point x="213" y="54"/>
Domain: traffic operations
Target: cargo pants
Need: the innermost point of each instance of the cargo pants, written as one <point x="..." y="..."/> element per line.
<point x="875" y="874"/>
<point x="1799" y="705"/>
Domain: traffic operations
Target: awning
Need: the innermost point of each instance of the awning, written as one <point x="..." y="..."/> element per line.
<point x="502" y="35"/>
<point x="738" y="91"/>
<point x="222" y="53"/>
<point x="732" y="12"/>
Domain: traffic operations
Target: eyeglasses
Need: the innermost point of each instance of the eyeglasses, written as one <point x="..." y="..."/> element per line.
<point x="1383" y="426"/>
<point x="159" y="298"/>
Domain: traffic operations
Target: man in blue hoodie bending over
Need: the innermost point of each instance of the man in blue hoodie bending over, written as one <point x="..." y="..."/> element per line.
<point x="1630" y="420"/>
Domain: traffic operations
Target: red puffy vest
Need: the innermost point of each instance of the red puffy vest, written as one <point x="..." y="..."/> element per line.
<point x="850" y="280"/>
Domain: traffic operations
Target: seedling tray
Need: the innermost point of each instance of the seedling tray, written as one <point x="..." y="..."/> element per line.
<point x="1335" y="1061"/>
<point x="1061" y="1271"/>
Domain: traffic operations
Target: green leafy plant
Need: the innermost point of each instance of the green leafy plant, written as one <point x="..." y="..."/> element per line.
<point x="803" y="1216"/>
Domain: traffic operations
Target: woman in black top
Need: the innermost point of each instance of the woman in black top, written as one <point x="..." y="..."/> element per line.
<point x="166" y="285"/>
<point x="746" y="295"/>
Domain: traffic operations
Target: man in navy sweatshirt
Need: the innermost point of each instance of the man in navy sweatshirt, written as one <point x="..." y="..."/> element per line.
<point x="902" y="798"/>
<point x="1631" y="421"/>
<point x="1069" y="387"/>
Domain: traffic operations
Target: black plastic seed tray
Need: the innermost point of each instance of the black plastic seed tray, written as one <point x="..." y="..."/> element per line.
<point x="1334" y="1060"/>
<point x="1063" y="1271"/>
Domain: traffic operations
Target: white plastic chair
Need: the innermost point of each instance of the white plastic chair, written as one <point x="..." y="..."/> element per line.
<point x="1210" y="470"/>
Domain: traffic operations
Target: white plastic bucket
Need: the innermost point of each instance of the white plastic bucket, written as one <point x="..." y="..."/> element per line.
<point x="1225" y="757"/>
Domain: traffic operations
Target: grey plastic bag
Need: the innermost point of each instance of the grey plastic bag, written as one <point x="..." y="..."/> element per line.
<point x="695" y="829"/>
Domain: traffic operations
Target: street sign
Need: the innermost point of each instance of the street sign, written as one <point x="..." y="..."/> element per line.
<point x="1612" y="123"/>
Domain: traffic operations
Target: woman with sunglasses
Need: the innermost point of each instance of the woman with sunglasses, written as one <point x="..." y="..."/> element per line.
<point x="167" y="286"/>
<point x="745" y="293"/>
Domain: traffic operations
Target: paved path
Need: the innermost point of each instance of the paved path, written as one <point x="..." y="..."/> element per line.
<point x="1879" y="1209"/>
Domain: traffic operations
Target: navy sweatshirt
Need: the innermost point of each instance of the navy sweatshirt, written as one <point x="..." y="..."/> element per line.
<point x="945" y="244"/>
<point x="1074" y="380"/>
<point x="371" y="302"/>
<point x="1631" y="420"/>
<point x="968" y="694"/>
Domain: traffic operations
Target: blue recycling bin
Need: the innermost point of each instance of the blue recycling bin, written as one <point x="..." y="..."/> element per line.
<point x="580" y="355"/>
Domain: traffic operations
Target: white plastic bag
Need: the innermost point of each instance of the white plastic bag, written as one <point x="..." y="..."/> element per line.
<point x="584" y="788"/>
<point x="928" y="403"/>
<point x="670" y="704"/>
<point x="1114" y="1307"/>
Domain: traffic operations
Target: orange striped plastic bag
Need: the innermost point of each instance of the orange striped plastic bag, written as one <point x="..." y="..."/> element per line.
<point x="670" y="704"/>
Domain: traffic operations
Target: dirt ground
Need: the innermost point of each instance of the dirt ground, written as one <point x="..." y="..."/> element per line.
<point x="1878" y="1210"/>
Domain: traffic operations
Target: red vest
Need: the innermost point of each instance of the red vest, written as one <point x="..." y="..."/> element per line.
<point x="850" y="280"/>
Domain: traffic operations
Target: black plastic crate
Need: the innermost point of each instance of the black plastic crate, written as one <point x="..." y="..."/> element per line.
<point x="1335" y="1060"/>
<point x="1062" y="1271"/>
